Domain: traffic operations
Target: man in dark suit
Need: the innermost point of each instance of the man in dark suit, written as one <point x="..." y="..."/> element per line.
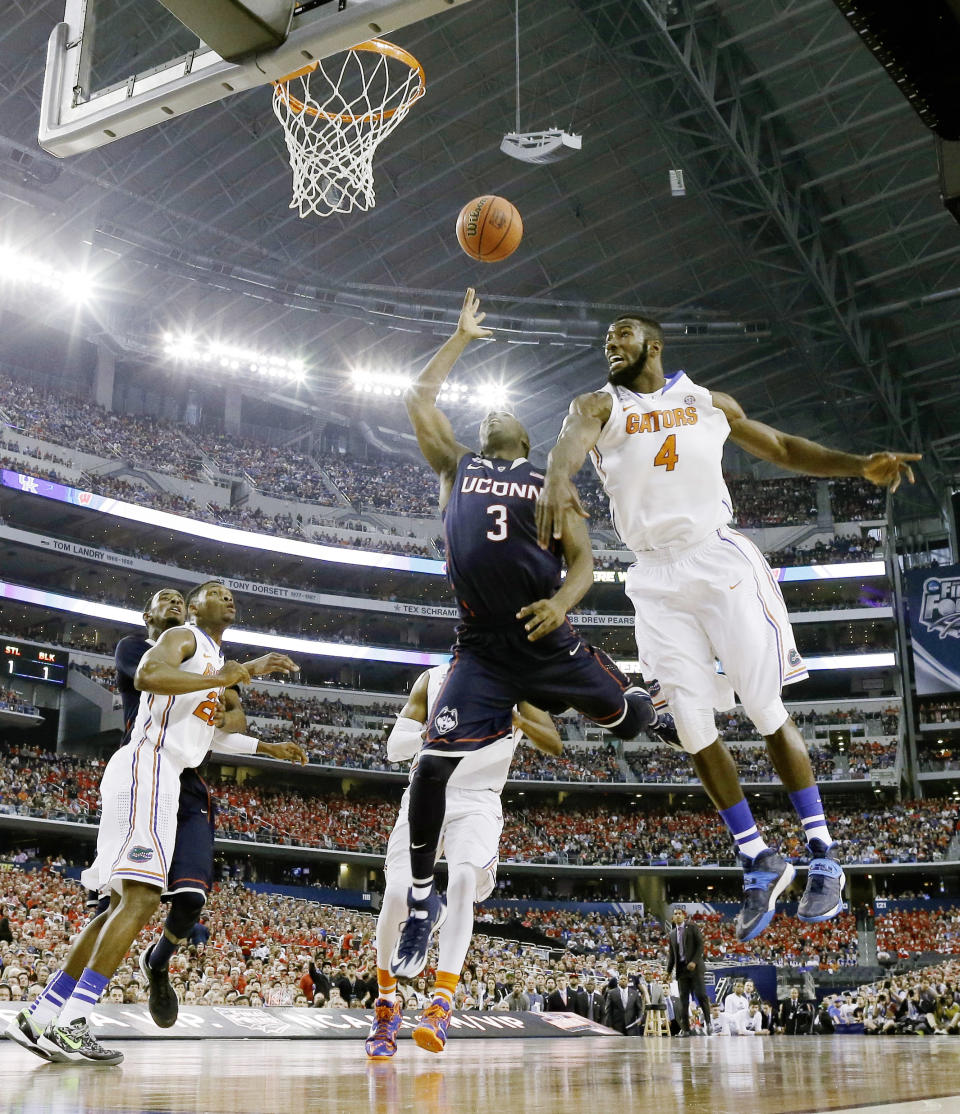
<point x="795" y="1017"/>
<point x="559" y="1001"/>
<point x="686" y="958"/>
<point x="591" y="1002"/>
<point x="623" y="1008"/>
<point x="576" y="996"/>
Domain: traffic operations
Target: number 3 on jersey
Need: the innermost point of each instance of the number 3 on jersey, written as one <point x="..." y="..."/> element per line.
<point x="499" y="532"/>
<point x="667" y="455"/>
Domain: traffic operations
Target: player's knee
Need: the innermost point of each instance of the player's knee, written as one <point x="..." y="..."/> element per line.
<point x="435" y="769"/>
<point x="462" y="883"/>
<point x="772" y="719"/>
<point x="695" y="725"/>
<point x="140" y="899"/>
<point x="185" y="909"/>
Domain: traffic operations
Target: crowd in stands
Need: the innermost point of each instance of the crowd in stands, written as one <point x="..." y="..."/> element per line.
<point x="64" y="787"/>
<point x="773" y="502"/>
<point x="786" y="943"/>
<point x="13" y="701"/>
<point x="255" y="949"/>
<point x="314" y="723"/>
<point x="597" y="763"/>
<point x="396" y="485"/>
<point x="104" y="675"/>
<point x="853" y="500"/>
<point x="905" y="932"/>
<point x="393" y="484"/>
<point x="835" y="551"/>
<point x="940" y="711"/>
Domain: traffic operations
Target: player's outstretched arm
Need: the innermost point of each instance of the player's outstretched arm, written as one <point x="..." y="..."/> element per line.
<point x="798" y="454"/>
<point x="581" y="428"/>
<point x="544" y="616"/>
<point x="538" y="727"/>
<point x="159" y="670"/>
<point x="435" y="436"/>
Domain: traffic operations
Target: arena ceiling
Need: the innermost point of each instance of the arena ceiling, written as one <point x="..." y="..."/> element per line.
<point x="810" y="269"/>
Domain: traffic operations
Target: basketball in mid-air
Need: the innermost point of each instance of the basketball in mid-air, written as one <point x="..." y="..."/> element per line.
<point x="489" y="228"/>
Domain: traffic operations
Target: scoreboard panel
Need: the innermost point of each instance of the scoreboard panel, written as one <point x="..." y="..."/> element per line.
<point x="32" y="663"/>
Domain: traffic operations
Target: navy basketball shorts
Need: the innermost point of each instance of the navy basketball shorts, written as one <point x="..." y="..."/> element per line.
<point x="191" y="867"/>
<point x="492" y="671"/>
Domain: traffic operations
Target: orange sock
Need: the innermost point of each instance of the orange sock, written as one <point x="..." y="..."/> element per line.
<point x="386" y="984"/>
<point x="446" y="986"/>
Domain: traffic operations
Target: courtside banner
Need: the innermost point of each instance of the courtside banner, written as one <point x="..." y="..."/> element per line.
<point x="114" y="1022"/>
<point x="933" y="600"/>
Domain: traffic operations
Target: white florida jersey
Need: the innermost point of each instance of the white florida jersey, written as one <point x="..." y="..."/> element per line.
<point x="659" y="458"/>
<point x="486" y="768"/>
<point x="181" y="727"/>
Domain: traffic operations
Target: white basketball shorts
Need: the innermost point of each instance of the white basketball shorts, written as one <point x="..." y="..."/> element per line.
<point x="470" y="837"/>
<point x="715" y="600"/>
<point x="139" y="797"/>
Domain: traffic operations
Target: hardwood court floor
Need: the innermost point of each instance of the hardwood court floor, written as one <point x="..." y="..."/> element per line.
<point x="763" y="1075"/>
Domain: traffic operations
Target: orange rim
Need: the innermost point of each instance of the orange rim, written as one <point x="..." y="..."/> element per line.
<point x="372" y="46"/>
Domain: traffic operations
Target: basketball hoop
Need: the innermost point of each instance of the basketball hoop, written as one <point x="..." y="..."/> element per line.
<point x="335" y="118"/>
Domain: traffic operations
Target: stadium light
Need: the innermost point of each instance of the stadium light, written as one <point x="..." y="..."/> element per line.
<point x="386" y="384"/>
<point x="17" y="269"/>
<point x="231" y="358"/>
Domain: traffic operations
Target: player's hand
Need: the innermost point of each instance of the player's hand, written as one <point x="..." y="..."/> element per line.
<point x="543" y="617"/>
<point x="220" y="715"/>
<point x="888" y="469"/>
<point x="233" y="673"/>
<point x="558" y="498"/>
<point x="271" y="663"/>
<point x="470" y="318"/>
<point x="286" y="752"/>
<point x="691" y="966"/>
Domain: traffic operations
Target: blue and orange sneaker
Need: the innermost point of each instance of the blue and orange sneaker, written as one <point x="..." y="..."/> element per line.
<point x="431" y="1031"/>
<point x="381" y="1044"/>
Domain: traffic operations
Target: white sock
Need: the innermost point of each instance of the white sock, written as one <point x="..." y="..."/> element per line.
<point x="421" y="889"/>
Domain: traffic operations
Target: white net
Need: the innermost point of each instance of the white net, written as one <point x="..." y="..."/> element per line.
<point x="335" y="115"/>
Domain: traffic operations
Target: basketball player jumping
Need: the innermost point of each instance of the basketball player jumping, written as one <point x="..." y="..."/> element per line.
<point x="508" y="648"/>
<point x="182" y="678"/>
<point x="700" y="589"/>
<point x="470" y="836"/>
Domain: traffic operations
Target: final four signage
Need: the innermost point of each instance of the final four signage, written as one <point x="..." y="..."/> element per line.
<point x="934" y="601"/>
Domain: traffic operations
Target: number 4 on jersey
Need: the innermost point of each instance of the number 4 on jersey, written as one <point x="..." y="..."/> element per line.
<point x="667" y="455"/>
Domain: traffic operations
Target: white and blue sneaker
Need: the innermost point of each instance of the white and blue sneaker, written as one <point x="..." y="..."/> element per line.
<point x="423" y="919"/>
<point x="764" y="880"/>
<point x="823" y="898"/>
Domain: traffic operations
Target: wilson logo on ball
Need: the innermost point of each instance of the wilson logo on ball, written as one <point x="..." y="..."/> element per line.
<point x="489" y="228"/>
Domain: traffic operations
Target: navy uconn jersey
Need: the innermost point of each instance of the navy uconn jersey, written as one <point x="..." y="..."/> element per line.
<point x="494" y="562"/>
<point x="127" y="657"/>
